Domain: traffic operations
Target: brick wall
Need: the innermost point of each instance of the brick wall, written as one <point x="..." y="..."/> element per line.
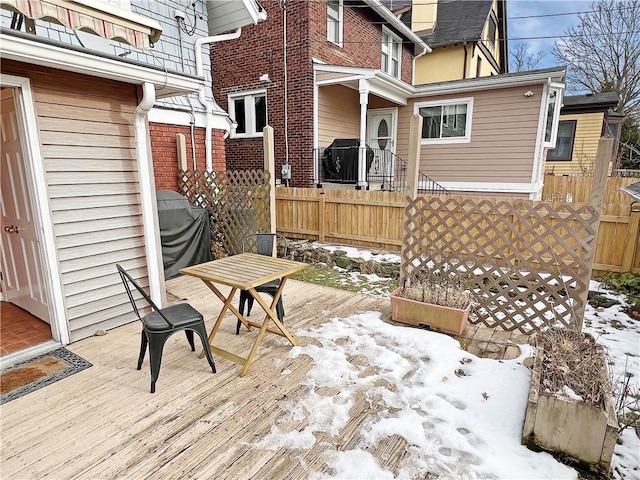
<point x="165" y="152"/>
<point x="238" y="64"/>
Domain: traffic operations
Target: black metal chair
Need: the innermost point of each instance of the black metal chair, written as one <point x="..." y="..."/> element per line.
<point x="161" y="323"/>
<point x="263" y="244"/>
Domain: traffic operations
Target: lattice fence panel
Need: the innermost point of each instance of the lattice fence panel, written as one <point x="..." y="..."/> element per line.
<point x="527" y="263"/>
<point x="238" y="202"/>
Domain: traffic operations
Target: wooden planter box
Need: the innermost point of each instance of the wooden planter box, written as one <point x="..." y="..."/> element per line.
<point x="436" y="317"/>
<point x="578" y="429"/>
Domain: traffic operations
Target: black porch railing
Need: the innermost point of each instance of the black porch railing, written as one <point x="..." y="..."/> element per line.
<point x="384" y="169"/>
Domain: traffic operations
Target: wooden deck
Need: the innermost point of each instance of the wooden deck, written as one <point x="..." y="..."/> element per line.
<point x="103" y="422"/>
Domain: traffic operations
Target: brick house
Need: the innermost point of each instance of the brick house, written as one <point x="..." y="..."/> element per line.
<point x="351" y="92"/>
<point x="251" y="87"/>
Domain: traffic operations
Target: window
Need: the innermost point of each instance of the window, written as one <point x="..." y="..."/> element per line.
<point x="391" y="53"/>
<point x="493" y="29"/>
<point x="447" y="121"/>
<point x="564" y="143"/>
<point x="249" y="111"/>
<point x="334" y="21"/>
<point x="553" y="114"/>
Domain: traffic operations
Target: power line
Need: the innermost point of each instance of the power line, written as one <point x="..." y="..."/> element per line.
<point x="520" y="17"/>
<point x="512" y="39"/>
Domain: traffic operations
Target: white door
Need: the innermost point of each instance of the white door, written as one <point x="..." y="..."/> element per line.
<point x="381" y="137"/>
<point x="23" y="280"/>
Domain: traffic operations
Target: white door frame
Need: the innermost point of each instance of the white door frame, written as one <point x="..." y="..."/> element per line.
<point x="393" y="111"/>
<point x="387" y="175"/>
<point x="40" y="203"/>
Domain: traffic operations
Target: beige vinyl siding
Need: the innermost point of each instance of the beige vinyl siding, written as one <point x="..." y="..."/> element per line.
<point x="503" y="134"/>
<point x="585" y="144"/>
<point x="88" y="147"/>
<point x="338" y="114"/>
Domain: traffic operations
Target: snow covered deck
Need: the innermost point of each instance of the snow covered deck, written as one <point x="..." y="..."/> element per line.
<point x="103" y="422"/>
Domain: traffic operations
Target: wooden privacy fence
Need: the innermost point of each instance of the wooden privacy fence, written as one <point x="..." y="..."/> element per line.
<point x="375" y="219"/>
<point x="578" y="189"/>
<point x="237" y="201"/>
<point x="528" y="263"/>
<point x="353" y="217"/>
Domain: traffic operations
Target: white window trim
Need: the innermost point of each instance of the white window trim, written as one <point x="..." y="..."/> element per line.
<point x="249" y="112"/>
<point x="340" y="24"/>
<point x="559" y="91"/>
<point x="441" y="103"/>
<point x="392" y="38"/>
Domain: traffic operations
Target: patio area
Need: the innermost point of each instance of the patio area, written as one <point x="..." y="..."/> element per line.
<point x="103" y="422"/>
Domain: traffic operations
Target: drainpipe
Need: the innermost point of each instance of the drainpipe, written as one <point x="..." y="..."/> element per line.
<point x="148" y="195"/>
<point x="464" y="61"/>
<point x="202" y="94"/>
<point x="426" y="49"/>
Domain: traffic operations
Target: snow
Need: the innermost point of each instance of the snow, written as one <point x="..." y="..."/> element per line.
<point x="620" y="335"/>
<point x="460" y="415"/>
<point x="366" y="255"/>
<point x="467" y="425"/>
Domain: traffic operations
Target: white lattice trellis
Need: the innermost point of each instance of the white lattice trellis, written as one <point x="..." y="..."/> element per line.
<point x="528" y="263"/>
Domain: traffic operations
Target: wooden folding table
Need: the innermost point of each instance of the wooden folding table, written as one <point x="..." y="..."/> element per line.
<point x="246" y="271"/>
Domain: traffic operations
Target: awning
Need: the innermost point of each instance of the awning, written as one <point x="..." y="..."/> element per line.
<point x="99" y="18"/>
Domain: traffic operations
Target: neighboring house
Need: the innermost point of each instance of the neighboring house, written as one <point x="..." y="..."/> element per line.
<point x="81" y="115"/>
<point x="583" y="120"/>
<point x="257" y="87"/>
<point x="480" y="135"/>
<point x="468" y="38"/>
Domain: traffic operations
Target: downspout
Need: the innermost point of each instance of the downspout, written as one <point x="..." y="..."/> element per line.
<point x="193" y="138"/>
<point x="464" y="61"/>
<point x="153" y="249"/>
<point x="425" y="50"/>
<point x="202" y="96"/>
<point x="286" y="86"/>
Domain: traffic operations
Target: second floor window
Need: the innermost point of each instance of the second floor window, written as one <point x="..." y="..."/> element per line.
<point x="334" y="21"/>
<point x="391" y="53"/>
<point x="249" y="111"/>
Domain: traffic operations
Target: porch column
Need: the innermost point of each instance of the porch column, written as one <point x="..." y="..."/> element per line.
<point x="363" y="88"/>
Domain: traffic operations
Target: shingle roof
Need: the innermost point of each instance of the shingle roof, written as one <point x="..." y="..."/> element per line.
<point x="458" y="21"/>
<point x="606" y="99"/>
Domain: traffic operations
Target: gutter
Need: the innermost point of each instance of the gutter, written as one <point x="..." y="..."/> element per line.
<point x="464" y="60"/>
<point x="153" y="248"/>
<point x="395" y="22"/>
<point x="496" y="81"/>
<point x="202" y="94"/>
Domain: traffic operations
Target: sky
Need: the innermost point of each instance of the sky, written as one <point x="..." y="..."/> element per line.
<point x="532" y="21"/>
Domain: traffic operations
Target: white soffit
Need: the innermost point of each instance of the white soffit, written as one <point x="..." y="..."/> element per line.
<point x="227" y="15"/>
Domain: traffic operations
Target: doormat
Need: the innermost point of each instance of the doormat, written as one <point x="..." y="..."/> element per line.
<point x="35" y="373"/>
